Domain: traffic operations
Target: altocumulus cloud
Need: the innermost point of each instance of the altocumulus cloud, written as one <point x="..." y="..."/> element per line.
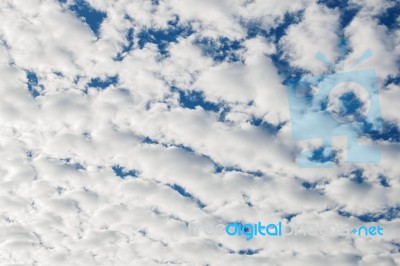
<point x="128" y="129"/>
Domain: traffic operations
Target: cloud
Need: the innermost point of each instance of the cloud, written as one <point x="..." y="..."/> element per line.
<point x="317" y="32"/>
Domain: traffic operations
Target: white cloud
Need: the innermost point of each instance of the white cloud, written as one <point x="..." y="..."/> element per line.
<point x="364" y="33"/>
<point x="317" y="32"/>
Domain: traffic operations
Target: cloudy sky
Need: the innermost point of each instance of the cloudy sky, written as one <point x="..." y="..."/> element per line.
<point x="133" y="131"/>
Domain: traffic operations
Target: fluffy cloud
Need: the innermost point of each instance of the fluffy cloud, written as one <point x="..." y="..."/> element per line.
<point x="317" y="32"/>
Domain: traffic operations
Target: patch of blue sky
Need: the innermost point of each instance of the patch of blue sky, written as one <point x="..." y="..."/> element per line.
<point x="126" y="48"/>
<point x="249" y="252"/>
<point x="58" y="73"/>
<point x="267" y="127"/>
<point x="103" y="83"/>
<point x="316" y="186"/>
<point x="388" y="214"/>
<point x="285" y="70"/>
<point x="221" y="49"/>
<point x="289" y="216"/>
<point x="247" y="200"/>
<point x="193" y="99"/>
<point x="163" y="37"/>
<point x="122" y="173"/>
<point x="347" y="10"/>
<point x="396" y="248"/>
<point x="219" y="169"/>
<point x="181" y="191"/>
<point x="384" y="181"/>
<point x="149" y="140"/>
<point x="349" y="104"/>
<point x="393" y="80"/>
<point x="322" y="155"/>
<point x="223" y="112"/>
<point x="33" y="84"/>
<point x="323" y="104"/>
<point x="390" y="16"/>
<point x="309" y="185"/>
<point x="357" y="176"/>
<point x="76" y="166"/>
<point x="389" y="132"/>
<point x="183" y="147"/>
<point x="90" y="15"/>
<point x="186" y="194"/>
<point x="255" y="28"/>
<point x="344" y="213"/>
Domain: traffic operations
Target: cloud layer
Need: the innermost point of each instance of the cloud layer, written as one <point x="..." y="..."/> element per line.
<point x="129" y="130"/>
